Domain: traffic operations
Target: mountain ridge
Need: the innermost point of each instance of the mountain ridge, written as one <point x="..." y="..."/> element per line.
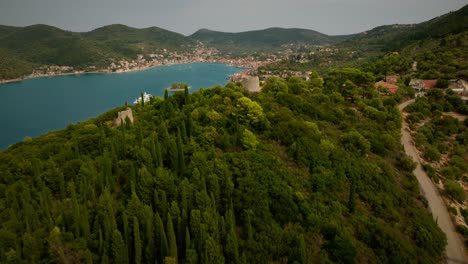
<point x="264" y="39"/>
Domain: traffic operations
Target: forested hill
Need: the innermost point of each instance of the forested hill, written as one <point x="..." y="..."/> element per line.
<point x="438" y="47"/>
<point x="127" y="40"/>
<point x="263" y="40"/>
<point x="396" y="37"/>
<point x="37" y="45"/>
<point x="303" y="172"/>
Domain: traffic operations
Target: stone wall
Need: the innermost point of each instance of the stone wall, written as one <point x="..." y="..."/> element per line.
<point x="251" y="83"/>
<point x="122" y="116"/>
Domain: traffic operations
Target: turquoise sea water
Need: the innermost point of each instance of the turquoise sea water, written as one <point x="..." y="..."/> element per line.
<point x="36" y="106"/>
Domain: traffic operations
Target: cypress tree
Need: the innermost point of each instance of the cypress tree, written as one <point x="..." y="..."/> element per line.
<point x="171" y="238"/>
<point x="86" y="230"/>
<point x="352" y="190"/>
<point x="173" y="154"/>
<point x="301" y="249"/>
<point x="142" y="99"/>
<point x="161" y="234"/>
<point x="100" y="242"/>
<point x="145" y="185"/>
<point x="137" y="240"/>
<point x="186" y="95"/>
<point x="140" y="136"/>
<point x="180" y="153"/>
<point x="125" y="228"/>
<point x="88" y="256"/>
<point x="189" y="126"/>
<point x="149" y="235"/>
<point x="105" y="259"/>
<point x="232" y="247"/>
<point x="166" y="94"/>
<point x="119" y="249"/>
<point x="187" y="239"/>
<point x="183" y="132"/>
<point x="159" y="154"/>
<point x="155" y="149"/>
<point x="164" y="203"/>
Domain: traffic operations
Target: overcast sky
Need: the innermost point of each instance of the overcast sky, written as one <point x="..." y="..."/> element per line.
<point x="186" y="16"/>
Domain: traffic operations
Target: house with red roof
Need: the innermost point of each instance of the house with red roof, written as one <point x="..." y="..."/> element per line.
<point x="421" y="86"/>
<point x="390" y="87"/>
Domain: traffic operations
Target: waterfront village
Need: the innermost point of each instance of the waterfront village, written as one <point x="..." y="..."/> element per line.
<point x="251" y="78"/>
<point x="165" y="57"/>
<point x="199" y="53"/>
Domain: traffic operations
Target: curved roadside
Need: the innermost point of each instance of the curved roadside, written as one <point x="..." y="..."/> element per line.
<point x="455" y="249"/>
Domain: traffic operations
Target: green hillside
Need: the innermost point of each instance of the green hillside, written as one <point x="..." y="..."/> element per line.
<point x="132" y="41"/>
<point x="439" y="46"/>
<point x="263" y="40"/>
<point x="12" y="67"/>
<point x="5" y="30"/>
<point x="38" y="45"/>
<point x="42" y="44"/>
<point x="396" y="37"/>
<point x="299" y="173"/>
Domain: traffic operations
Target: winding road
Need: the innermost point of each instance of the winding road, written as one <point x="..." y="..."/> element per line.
<point x="455" y="250"/>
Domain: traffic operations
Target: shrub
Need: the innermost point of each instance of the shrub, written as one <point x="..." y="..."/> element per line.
<point x="462" y="230"/>
<point x="432" y="153"/>
<point x="406" y="163"/>
<point x="464" y="212"/>
<point x="455" y="191"/>
<point x="429" y="170"/>
<point x="453" y="210"/>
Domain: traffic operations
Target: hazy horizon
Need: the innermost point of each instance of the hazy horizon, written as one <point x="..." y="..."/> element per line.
<point x="331" y="17"/>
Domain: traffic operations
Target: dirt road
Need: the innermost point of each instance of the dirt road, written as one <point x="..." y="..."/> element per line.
<point x="455" y="250"/>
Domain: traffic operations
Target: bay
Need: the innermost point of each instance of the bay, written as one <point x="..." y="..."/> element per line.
<point x="35" y="106"/>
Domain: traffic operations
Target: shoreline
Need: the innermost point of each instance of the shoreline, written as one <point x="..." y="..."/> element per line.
<point x="137" y="69"/>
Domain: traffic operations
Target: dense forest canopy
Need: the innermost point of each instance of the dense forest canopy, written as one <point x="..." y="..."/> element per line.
<point x="303" y="172"/>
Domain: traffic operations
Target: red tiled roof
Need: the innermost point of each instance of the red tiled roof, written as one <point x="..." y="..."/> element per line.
<point x="429" y="83"/>
<point x="391" y="87"/>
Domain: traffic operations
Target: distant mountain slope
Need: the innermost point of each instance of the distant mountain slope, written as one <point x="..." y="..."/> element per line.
<point x="42" y="44"/>
<point x="5" y="30"/>
<point x="130" y="41"/>
<point x="263" y="40"/>
<point x="396" y="37"/>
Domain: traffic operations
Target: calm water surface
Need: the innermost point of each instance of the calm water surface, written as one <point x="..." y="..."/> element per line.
<point x="36" y="106"/>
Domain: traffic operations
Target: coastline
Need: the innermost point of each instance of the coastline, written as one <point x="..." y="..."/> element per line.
<point x="136" y="69"/>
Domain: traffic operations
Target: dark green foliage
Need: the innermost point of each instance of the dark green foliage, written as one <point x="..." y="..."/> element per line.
<point x="462" y="230"/>
<point x="119" y="249"/>
<point x="432" y="153"/>
<point x="269" y="39"/>
<point x="464" y="213"/>
<point x="137" y="241"/>
<point x="316" y="177"/>
<point x="453" y="210"/>
<point x="454" y="190"/>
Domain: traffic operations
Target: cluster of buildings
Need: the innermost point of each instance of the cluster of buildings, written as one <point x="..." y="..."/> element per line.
<point x="390" y="83"/>
<point x="264" y="74"/>
<point x="199" y="54"/>
<point x="459" y="86"/>
<point x="54" y="70"/>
